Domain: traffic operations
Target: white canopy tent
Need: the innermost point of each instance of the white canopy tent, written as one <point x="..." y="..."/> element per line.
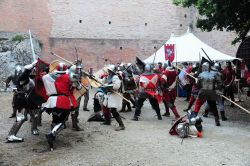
<point x="188" y="48"/>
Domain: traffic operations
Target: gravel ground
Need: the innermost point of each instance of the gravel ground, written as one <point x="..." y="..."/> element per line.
<point x="145" y="142"/>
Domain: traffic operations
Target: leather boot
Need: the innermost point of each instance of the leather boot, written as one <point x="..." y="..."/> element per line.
<point x="205" y="115"/>
<point x="123" y="107"/>
<point x="75" y="122"/>
<point x="223" y="117"/>
<point x="217" y="120"/>
<point x="106" y="122"/>
<point x="135" y="118"/>
<point x="121" y="125"/>
<point x="129" y="108"/>
<point x="167" y="114"/>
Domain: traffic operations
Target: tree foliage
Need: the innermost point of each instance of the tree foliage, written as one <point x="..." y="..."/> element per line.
<point x="232" y="15"/>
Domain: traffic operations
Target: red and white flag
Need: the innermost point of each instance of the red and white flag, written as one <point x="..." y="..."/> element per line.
<point x="169" y="52"/>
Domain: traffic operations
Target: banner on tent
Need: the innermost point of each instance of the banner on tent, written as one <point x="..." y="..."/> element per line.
<point x="169" y="52"/>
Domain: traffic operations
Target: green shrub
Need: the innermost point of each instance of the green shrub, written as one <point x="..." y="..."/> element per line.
<point x="18" y="38"/>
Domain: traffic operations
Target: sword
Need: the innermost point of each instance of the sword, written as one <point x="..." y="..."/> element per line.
<point x="32" y="47"/>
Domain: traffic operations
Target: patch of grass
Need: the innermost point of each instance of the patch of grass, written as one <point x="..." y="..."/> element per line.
<point x="18" y="38"/>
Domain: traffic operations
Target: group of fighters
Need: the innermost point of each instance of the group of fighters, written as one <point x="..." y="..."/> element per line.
<point x="136" y="82"/>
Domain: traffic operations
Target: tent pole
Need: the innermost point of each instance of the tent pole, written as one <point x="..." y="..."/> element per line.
<point x="155" y="48"/>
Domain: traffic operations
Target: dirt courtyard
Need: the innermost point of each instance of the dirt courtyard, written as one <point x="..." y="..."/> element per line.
<point x="145" y="142"/>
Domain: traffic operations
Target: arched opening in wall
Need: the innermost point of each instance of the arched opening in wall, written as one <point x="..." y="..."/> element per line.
<point x="80" y="21"/>
<point x="146" y="24"/>
<point x="109" y="22"/>
<point x="120" y="48"/>
<point x="243" y="51"/>
<point x="180" y="25"/>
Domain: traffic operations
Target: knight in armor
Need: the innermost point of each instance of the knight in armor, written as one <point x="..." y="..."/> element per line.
<point x="13" y="78"/>
<point x="220" y="101"/>
<point x="148" y="84"/>
<point x="74" y="74"/>
<point x="186" y="126"/>
<point x="209" y="82"/>
<point x="98" y="101"/>
<point x="111" y="100"/>
<point x="59" y="87"/>
<point x="169" y="88"/>
<point x="128" y="89"/>
<point x="24" y="104"/>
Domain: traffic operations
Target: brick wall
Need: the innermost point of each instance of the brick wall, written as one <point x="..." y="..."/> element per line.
<point x="119" y="30"/>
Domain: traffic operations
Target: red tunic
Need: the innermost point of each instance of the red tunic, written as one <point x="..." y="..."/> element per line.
<point x="228" y="75"/>
<point x="61" y="93"/>
<point x="169" y="79"/>
<point x="149" y="82"/>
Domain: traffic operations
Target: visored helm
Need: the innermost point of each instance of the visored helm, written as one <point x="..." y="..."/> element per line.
<point x="18" y="70"/>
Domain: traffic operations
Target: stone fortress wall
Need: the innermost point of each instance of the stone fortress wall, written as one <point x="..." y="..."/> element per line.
<point x="104" y="29"/>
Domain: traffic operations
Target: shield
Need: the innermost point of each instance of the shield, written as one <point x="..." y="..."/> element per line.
<point x="172" y="131"/>
<point x="94" y="83"/>
<point x="79" y="93"/>
<point x="53" y="65"/>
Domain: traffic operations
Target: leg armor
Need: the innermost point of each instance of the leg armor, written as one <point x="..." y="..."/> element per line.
<point x="34" y="115"/>
<point x="74" y="117"/>
<point x="20" y="119"/>
<point x="14" y="105"/>
<point x="56" y="126"/>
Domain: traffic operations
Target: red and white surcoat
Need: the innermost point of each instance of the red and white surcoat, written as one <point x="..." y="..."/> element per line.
<point x="148" y="83"/>
<point x="59" y="89"/>
<point x="169" y="79"/>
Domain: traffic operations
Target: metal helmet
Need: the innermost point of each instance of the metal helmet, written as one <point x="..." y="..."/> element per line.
<point x="147" y="68"/>
<point x="111" y="68"/>
<point x="205" y="66"/>
<point x="61" y="67"/>
<point x="129" y="64"/>
<point x="18" y="70"/>
<point x="217" y="66"/>
<point x="74" y="74"/>
<point x="121" y="67"/>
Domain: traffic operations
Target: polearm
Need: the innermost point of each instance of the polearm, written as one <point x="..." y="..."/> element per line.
<point x="32" y="47"/>
<point x="207" y="56"/>
<point x="236" y="104"/>
<point x="220" y="95"/>
<point x="184" y="71"/>
<point x="65" y="60"/>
